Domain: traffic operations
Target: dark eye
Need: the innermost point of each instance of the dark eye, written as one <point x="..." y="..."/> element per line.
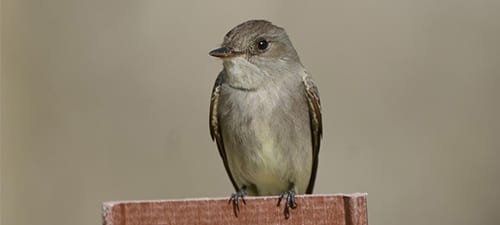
<point x="262" y="44"/>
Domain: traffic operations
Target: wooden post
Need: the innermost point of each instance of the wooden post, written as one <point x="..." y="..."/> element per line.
<point x="338" y="209"/>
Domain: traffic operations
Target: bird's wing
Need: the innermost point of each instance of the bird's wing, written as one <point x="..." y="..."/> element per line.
<point x="215" y="129"/>
<point x="312" y="96"/>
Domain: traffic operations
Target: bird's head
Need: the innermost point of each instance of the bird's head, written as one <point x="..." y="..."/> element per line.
<point x="256" y="49"/>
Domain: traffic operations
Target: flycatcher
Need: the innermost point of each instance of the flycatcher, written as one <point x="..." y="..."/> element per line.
<point x="265" y="115"/>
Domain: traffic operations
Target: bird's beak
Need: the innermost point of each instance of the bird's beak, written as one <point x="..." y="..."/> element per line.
<point x="225" y="52"/>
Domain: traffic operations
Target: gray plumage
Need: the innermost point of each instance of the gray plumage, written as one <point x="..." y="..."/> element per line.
<point x="265" y="113"/>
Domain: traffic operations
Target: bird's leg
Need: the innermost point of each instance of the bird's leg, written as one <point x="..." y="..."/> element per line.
<point x="235" y="197"/>
<point x="290" y="201"/>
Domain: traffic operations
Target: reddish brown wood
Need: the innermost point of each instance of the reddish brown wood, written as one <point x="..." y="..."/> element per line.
<point x="339" y="209"/>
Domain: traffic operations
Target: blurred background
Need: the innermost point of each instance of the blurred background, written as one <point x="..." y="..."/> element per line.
<point x="108" y="100"/>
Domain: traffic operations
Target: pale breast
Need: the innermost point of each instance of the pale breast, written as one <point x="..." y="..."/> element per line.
<point x="266" y="135"/>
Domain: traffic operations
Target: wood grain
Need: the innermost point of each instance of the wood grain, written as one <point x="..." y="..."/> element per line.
<point x="338" y="209"/>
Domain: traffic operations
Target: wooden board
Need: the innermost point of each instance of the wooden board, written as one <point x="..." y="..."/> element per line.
<point x="338" y="209"/>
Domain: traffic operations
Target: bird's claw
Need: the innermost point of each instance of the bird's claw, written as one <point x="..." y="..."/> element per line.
<point x="290" y="202"/>
<point x="235" y="198"/>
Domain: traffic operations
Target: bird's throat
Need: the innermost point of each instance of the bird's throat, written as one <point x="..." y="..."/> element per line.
<point x="242" y="74"/>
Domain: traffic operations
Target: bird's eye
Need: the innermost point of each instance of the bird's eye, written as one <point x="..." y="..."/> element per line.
<point x="262" y="44"/>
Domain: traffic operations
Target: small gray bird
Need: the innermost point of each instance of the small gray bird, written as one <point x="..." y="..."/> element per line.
<point x="265" y="115"/>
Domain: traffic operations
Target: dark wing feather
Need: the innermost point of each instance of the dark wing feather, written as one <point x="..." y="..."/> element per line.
<point x="215" y="130"/>
<point x="312" y="96"/>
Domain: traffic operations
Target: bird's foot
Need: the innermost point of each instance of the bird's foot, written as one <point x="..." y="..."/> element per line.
<point x="290" y="202"/>
<point x="235" y="198"/>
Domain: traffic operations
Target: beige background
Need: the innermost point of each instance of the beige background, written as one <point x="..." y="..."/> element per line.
<point x="108" y="100"/>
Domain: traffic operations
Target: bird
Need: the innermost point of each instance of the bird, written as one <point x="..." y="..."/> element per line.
<point x="265" y="115"/>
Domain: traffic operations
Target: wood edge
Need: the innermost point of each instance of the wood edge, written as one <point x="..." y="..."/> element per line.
<point x="250" y="198"/>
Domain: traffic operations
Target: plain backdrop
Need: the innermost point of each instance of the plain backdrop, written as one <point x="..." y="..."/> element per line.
<point x="108" y="100"/>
